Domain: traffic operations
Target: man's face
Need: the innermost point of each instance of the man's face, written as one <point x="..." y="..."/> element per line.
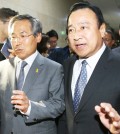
<point x="108" y="39"/>
<point x="3" y="30"/>
<point x="85" y="38"/>
<point x="22" y="39"/>
<point x="53" y="42"/>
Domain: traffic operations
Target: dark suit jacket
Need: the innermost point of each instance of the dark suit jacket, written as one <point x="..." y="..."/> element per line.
<point x="103" y="86"/>
<point x="60" y="54"/>
<point x="2" y="57"/>
<point x="5" y="47"/>
<point x="43" y="86"/>
<point x="116" y="50"/>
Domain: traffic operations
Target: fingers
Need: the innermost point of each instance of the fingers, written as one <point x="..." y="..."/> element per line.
<point x="12" y="53"/>
<point x="97" y="109"/>
<point x="20" y="100"/>
<point x="108" y="111"/>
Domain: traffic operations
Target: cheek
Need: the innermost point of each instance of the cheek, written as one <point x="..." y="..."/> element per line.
<point x="13" y="45"/>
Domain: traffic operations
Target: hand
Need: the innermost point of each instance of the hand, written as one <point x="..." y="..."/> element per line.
<point x="12" y="53"/>
<point x="20" y="100"/>
<point x="109" y="117"/>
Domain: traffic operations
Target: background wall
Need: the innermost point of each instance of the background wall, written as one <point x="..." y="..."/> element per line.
<point x="52" y="13"/>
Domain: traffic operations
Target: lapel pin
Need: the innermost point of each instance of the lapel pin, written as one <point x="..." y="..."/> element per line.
<point x="36" y="70"/>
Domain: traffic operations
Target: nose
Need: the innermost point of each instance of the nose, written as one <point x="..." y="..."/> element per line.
<point x="18" y="40"/>
<point x="77" y="35"/>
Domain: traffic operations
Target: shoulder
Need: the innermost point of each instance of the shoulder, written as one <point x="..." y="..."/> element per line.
<point x="47" y="62"/>
<point x="116" y="50"/>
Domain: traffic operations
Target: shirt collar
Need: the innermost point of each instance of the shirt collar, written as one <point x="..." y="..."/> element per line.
<point x="92" y="61"/>
<point x="30" y="59"/>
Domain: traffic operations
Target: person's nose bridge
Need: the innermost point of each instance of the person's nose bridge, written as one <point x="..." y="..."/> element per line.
<point x="19" y="39"/>
<point x="78" y="33"/>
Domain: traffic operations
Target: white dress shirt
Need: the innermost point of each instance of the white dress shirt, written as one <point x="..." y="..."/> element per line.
<point x="92" y="61"/>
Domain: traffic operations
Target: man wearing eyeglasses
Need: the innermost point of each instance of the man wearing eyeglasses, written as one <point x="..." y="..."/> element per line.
<point x="5" y="15"/>
<point x="29" y="104"/>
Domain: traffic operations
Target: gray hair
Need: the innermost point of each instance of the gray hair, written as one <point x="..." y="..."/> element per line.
<point x="36" y="26"/>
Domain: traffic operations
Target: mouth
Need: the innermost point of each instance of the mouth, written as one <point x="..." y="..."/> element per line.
<point x="18" y="50"/>
<point x="82" y="45"/>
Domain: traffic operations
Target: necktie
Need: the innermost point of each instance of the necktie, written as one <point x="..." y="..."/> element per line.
<point x="21" y="76"/>
<point x="80" y="85"/>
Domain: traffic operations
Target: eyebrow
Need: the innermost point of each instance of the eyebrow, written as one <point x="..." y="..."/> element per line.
<point x="20" y="32"/>
<point x="78" y="24"/>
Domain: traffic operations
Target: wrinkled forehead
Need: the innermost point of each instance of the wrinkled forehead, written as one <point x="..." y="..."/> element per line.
<point x="20" y="26"/>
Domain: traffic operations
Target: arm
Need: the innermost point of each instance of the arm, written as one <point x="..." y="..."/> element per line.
<point x="109" y="117"/>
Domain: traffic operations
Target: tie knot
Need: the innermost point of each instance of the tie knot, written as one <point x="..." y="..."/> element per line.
<point x="24" y="63"/>
<point x="84" y="62"/>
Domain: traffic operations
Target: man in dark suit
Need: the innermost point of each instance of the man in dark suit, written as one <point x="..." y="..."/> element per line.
<point x="117" y="50"/>
<point x="95" y="62"/>
<point x="32" y="108"/>
<point x="60" y="54"/>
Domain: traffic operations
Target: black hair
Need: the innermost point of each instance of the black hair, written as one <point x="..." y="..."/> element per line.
<point x="52" y="33"/>
<point x="111" y="32"/>
<point x="42" y="45"/>
<point x="86" y="4"/>
<point x="6" y="13"/>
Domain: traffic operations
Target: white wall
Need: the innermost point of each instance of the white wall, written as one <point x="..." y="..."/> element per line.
<point x="52" y="13"/>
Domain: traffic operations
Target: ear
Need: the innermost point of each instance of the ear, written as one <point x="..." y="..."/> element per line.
<point x="38" y="37"/>
<point x="102" y="30"/>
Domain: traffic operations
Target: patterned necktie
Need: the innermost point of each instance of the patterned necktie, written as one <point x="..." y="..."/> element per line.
<point x="80" y="85"/>
<point x="21" y="76"/>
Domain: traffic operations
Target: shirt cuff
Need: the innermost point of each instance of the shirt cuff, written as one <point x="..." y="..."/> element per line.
<point x="28" y="111"/>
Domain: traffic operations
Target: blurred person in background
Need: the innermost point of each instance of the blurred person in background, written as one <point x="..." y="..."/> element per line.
<point x="61" y="54"/>
<point x="44" y="45"/>
<point x="109" y="38"/>
<point x="5" y="15"/>
<point x="53" y="36"/>
<point x="117" y="50"/>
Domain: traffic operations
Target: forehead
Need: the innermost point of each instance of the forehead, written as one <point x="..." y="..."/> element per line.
<point x="84" y="15"/>
<point x="21" y="25"/>
<point x="108" y="35"/>
<point x="53" y="38"/>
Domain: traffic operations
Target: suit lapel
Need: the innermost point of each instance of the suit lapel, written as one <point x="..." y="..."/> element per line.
<point x="68" y="71"/>
<point x="33" y="73"/>
<point x="94" y="81"/>
<point x="68" y="75"/>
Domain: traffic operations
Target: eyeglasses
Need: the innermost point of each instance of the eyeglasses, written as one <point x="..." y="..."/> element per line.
<point x="21" y="37"/>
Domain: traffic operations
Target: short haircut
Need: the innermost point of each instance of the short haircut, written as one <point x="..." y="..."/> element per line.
<point x="52" y="33"/>
<point x="6" y="13"/>
<point x="36" y="26"/>
<point x="85" y="4"/>
<point x="111" y="32"/>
